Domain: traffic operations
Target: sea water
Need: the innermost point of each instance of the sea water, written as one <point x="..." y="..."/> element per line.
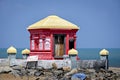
<point x="93" y="53"/>
<point x="84" y="54"/>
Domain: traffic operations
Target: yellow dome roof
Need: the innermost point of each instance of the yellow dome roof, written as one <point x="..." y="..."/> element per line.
<point x="25" y="51"/>
<point x="104" y="52"/>
<point x="73" y="52"/>
<point x="53" y="22"/>
<point x="11" y="50"/>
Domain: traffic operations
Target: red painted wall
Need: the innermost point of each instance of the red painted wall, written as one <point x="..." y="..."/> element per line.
<point x="38" y="37"/>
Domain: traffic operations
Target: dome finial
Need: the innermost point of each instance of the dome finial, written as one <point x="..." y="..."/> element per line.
<point x="104" y="52"/>
<point x="73" y="52"/>
<point x="25" y="51"/>
<point x="11" y="50"/>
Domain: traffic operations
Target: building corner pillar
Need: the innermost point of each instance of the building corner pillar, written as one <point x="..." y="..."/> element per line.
<point x="67" y="43"/>
<point x="75" y="41"/>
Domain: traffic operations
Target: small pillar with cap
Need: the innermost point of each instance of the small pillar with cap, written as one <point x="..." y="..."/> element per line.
<point x="65" y="57"/>
<point x="25" y="53"/>
<point x="11" y="55"/>
<point x="73" y="54"/>
<point x="104" y="56"/>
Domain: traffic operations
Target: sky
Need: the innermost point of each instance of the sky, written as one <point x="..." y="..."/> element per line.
<point x="99" y="20"/>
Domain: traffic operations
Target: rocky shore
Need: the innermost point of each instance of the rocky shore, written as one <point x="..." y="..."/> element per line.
<point x="55" y="73"/>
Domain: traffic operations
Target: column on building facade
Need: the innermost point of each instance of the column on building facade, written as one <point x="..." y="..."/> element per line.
<point x="32" y="43"/>
<point x="75" y="41"/>
<point x="37" y="44"/>
<point x="67" y="43"/>
<point x="51" y="42"/>
<point x="40" y="44"/>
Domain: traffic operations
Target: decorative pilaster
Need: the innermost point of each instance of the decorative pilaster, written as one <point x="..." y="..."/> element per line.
<point x="75" y="41"/>
<point x="31" y="42"/>
<point x="67" y="43"/>
<point x="51" y="42"/>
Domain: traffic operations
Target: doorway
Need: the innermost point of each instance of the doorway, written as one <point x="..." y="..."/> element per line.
<point x="71" y="44"/>
<point x="59" y="45"/>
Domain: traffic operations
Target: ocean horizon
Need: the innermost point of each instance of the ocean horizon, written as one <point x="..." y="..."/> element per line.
<point x="84" y="54"/>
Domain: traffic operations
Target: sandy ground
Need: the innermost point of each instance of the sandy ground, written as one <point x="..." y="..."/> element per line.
<point x="12" y="77"/>
<point x="114" y="69"/>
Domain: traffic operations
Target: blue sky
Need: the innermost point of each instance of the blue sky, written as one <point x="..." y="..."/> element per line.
<point x="99" y="20"/>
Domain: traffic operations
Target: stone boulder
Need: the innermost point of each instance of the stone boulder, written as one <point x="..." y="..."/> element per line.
<point x="5" y="69"/>
<point x="66" y="68"/>
<point x="73" y="71"/>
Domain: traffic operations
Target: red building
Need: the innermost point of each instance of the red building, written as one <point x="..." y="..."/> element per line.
<point x="52" y="37"/>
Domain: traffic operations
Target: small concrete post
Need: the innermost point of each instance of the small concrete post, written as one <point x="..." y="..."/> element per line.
<point x="104" y="56"/>
<point x="65" y="57"/>
<point x="11" y="55"/>
<point x="73" y="54"/>
<point x="25" y="53"/>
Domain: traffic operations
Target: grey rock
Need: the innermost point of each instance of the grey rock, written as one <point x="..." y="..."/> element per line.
<point x="23" y="71"/>
<point x="5" y="69"/>
<point x="39" y="68"/>
<point x="87" y="71"/>
<point x="17" y="67"/>
<point x="38" y="73"/>
<point x="102" y="70"/>
<point x="117" y="74"/>
<point x="66" y="68"/>
<point x="99" y="64"/>
<point x="101" y="78"/>
<point x="110" y="71"/>
<point x="19" y="71"/>
<point x="48" y="73"/>
<point x="31" y="65"/>
<point x="101" y="74"/>
<point x="58" y="72"/>
<point x="54" y="65"/>
<point x="66" y="78"/>
<point x="15" y="73"/>
<point x="53" y="78"/>
<point x="88" y="77"/>
<point x="23" y="63"/>
<point x="75" y="79"/>
<point x="108" y="74"/>
<point x="30" y="72"/>
<point x="37" y="79"/>
<point x="73" y="71"/>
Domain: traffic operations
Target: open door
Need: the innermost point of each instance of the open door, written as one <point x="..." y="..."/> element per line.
<point x="59" y="46"/>
<point x="71" y="44"/>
